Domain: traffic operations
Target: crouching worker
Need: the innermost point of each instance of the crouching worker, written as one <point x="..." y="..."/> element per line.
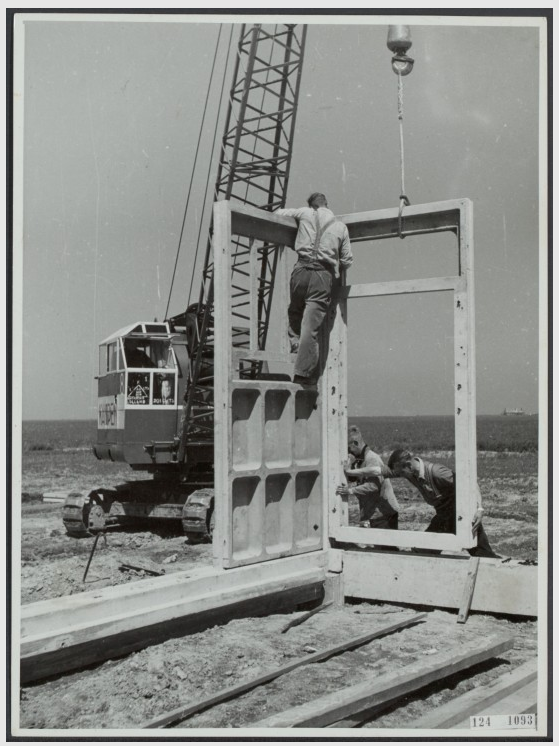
<point x="436" y="485"/>
<point x="378" y="507"/>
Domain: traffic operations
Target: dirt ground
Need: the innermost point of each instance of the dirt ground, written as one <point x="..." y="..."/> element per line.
<point x="127" y="692"/>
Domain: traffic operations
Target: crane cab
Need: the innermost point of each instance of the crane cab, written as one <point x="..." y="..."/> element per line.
<point x="142" y="376"/>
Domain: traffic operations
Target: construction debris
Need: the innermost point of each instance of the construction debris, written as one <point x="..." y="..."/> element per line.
<point x="304" y="617"/>
<point x="137" y="568"/>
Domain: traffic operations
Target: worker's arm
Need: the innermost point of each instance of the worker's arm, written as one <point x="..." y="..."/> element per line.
<point x="358" y="490"/>
<point x="291" y="212"/>
<point x="346" y="256"/>
<point x="369" y="471"/>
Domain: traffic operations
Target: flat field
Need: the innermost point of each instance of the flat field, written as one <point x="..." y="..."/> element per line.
<point x="126" y="692"/>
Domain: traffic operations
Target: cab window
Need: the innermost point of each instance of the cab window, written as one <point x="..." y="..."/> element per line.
<point x="149" y="353"/>
<point x="114" y="356"/>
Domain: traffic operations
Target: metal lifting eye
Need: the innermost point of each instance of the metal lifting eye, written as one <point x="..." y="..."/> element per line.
<point x="399" y="41"/>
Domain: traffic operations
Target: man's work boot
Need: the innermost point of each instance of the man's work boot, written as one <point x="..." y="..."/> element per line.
<point x="305" y="381"/>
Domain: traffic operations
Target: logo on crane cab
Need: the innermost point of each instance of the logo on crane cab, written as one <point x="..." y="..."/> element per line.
<point x="109" y="415"/>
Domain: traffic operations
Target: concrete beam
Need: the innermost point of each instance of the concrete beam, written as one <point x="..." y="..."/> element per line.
<point x="69" y="632"/>
<point x="407" y="577"/>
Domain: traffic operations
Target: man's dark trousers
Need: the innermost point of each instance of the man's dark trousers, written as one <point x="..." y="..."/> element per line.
<point x="444" y="522"/>
<point x="311" y="290"/>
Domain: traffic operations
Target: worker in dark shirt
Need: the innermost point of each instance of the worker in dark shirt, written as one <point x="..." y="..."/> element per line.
<point x="323" y="246"/>
<point x="436" y="485"/>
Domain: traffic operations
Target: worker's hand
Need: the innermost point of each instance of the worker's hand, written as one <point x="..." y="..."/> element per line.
<point x="476" y="523"/>
<point x="343" y="490"/>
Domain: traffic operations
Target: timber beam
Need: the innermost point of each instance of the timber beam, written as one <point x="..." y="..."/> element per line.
<point x="438" y="580"/>
<point x="70" y="632"/>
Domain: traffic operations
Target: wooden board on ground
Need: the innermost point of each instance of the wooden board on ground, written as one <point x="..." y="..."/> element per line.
<point x="58" y="496"/>
<point x="375" y="690"/>
<point x="523" y="701"/>
<point x="181" y="713"/>
<point x="407" y="577"/>
<point x="480" y="700"/>
<point x="468" y="592"/>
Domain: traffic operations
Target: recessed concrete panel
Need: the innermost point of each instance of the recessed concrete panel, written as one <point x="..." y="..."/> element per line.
<point x="247" y="502"/>
<point x="246" y="429"/>
<point x="278" y="428"/>
<point x="278" y="518"/>
<point x="307" y="432"/>
<point x="308" y="509"/>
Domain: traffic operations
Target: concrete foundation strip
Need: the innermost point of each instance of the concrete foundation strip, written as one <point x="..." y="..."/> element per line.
<point x="379" y="689"/>
<point x="181" y="713"/>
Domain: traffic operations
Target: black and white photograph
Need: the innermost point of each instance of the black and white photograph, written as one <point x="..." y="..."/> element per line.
<point x="283" y="276"/>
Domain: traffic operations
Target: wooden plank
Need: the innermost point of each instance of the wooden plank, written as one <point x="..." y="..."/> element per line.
<point x="406" y="577"/>
<point x="523" y="701"/>
<point x="378" y="689"/>
<point x="478" y="701"/>
<point x="269" y="355"/>
<point x="468" y="593"/>
<point x="253" y="296"/>
<point x="282" y="279"/>
<point x="307" y="615"/>
<point x="400" y="287"/>
<point x="181" y="713"/>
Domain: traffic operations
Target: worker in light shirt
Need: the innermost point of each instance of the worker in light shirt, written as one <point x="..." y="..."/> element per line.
<point x="378" y="507"/>
<point x="323" y="247"/>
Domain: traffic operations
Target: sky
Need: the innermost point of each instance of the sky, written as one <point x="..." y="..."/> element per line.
<point x="112" y="112"/>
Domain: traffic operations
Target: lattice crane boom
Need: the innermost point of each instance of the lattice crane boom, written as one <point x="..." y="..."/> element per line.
<point x="254" y="167"/>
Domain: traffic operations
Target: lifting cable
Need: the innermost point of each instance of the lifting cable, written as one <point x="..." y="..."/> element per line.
<point x="399" y="41"/>
<point x="193" y="170"/>
<point x="211" y="157"/>
<point x="210" y="161"/>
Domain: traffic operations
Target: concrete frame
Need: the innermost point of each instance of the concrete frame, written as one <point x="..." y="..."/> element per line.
<point x="455" y="216"/>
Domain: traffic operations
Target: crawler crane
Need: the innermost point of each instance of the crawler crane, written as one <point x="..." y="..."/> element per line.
<point x="155" y="382"/>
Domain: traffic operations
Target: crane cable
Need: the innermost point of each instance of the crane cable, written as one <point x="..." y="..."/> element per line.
<point x="399" y="41"/>
<point x="403" y="196"/>
<point x="193" y="170"/>
<point x="210" y="161"/>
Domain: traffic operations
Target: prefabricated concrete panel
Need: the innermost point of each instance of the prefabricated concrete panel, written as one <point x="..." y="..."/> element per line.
<point x="268" y="440"/>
